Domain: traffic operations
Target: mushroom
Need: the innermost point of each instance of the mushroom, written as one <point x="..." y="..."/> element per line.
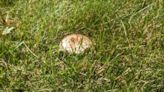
<point x="75" y="43"/>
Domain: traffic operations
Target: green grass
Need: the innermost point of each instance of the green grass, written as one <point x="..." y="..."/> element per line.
<point x="128" y="55"/>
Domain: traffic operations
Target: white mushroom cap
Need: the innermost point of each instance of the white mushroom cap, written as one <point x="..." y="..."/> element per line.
<point x="75" y="43"/>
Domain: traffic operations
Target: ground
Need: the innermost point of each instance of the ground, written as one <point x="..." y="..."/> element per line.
<point x="128" y="52"/>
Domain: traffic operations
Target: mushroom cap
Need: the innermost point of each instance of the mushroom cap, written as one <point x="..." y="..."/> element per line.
<point x="75" y="43"/>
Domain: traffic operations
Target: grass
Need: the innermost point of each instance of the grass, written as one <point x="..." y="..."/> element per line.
<point x="128" y="55"/>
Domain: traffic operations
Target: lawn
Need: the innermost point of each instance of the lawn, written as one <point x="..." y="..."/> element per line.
<point x="128" y="52"/>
